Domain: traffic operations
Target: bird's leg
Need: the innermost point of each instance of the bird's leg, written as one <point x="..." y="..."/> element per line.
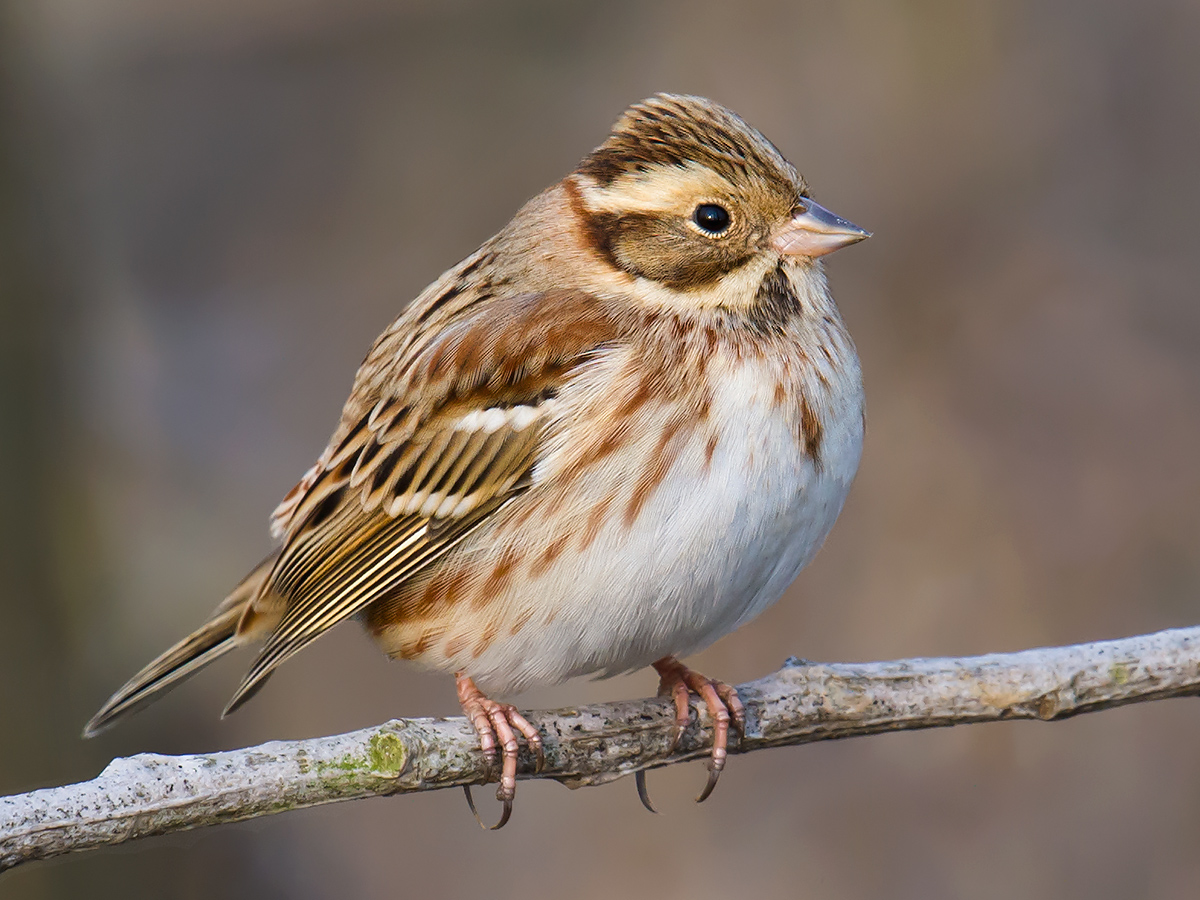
<point x="675" y="681"/>
<point x="494" y="723"/>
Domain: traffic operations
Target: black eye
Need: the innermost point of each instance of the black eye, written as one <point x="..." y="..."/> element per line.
<point x="712" y="218"/>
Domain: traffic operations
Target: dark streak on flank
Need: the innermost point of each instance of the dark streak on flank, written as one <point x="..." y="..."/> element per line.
<point x="552" y="552"/>
<point x="440" y="592"/>
<point x="486" y="639"/>
<point x="595" y="521"/>
<point x="811" y="431"/>
<point x="661" y="460"/>
<point x="497" y="579"/>
<point x="710" y="447"/>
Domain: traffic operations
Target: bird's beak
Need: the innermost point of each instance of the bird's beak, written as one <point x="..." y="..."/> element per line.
<point x="814" y="231"/>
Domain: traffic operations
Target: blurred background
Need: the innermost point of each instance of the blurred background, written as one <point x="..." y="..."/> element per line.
<point x="209" y="208"/>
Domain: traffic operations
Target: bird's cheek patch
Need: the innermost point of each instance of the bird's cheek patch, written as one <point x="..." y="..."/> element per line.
<point x="646" y="245"/>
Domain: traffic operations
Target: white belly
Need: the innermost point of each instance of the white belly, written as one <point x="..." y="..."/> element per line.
<point x="715" y="544"/>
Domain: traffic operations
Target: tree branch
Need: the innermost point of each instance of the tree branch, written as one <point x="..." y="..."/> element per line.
<point x="151" y="794"/>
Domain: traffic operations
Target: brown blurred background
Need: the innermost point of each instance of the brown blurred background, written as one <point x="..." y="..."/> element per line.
<point x="209" y="208"/>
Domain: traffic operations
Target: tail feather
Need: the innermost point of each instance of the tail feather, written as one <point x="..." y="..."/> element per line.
<point x="214" y="639"/>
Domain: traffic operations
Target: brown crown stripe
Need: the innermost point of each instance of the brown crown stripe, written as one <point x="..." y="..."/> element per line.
<point x="668" y="130"/>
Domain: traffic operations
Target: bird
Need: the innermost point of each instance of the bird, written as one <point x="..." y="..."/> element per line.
<point x="611" y="435"/>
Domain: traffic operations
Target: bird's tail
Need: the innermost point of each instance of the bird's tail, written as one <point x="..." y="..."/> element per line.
<point x="212" y="640"/>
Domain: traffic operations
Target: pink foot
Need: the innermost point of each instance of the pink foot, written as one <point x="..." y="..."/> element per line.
<point x="675" y="681"/>
<point x="494" y="723"/>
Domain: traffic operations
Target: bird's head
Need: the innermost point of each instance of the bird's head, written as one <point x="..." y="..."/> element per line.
<point x="685" y="194"/>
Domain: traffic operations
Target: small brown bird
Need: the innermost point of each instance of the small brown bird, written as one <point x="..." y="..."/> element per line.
<point x="611" y="435"/>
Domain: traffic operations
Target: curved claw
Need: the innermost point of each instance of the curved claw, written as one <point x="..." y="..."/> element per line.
<point x="713" y="774"/>
<point x="643" y="793"/>
<point x="497" y="725"/>
<point x="504" y="815"/>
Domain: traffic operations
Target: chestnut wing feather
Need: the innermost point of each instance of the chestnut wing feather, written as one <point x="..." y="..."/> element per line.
<point x="435" y="452"/>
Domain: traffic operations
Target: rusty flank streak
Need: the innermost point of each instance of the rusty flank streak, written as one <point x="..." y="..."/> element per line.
<point x="664" y="456"/>
<point x="522" y="620"/>
<point x="498" y="577"/>
<point x="595" y="521"/>
<point x="811" y="431"/>
<point x="485" y="639"/>
<point x="456" y="645"/>
<point x="710" y="447"/>
<point x="552" y="552"/>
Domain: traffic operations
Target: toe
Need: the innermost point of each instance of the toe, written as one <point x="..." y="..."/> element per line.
<point x="683" y="712"/>
<point x="737" y="710"/>
<point x="507" y="739"/>
<point x="672" y="683"/>
<point x="724" y="707"/>
<point x="532" y="736"/>
<point x="497" y="725"/>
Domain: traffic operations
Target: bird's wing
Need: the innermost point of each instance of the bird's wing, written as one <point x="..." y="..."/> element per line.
<point x="445" y="436"/>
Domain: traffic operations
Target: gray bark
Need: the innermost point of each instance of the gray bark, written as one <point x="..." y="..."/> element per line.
<point x="151" y="794"/>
